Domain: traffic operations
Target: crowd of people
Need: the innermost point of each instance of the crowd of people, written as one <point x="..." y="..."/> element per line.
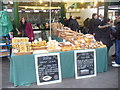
<point x="103" y="29"/>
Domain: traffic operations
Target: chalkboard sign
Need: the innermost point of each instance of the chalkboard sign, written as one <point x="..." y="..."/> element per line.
<point x="85" y="63"/>
<point x="48" y="68"/>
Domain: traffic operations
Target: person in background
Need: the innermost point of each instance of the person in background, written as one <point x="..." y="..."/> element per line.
<point x="70" y="18"/>
<point x="105" y="28"/>
<point x="101" y="17"/>
<point x="73" y="24"/>
<point x="113" y="34"/>
<point x="59" y="19"/>
<point x="26" y="29"/>
<point x="66" y="22"/>
<point x="115" y="21"/>
<point x="93" y="26"/>
<point x="117" y="60"/>
<point x="86" y="25"/>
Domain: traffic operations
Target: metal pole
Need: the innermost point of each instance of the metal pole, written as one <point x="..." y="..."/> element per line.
<point x="50" y="21"/>
<point x="63" y="10"/>
<point x="16" y="14"/>
<point x="105" y="9"/>
<point x="98" y="10"/>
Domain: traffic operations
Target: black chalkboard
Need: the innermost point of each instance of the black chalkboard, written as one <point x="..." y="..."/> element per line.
<point x="85" y="63"/>
<point x="48" y="68"/>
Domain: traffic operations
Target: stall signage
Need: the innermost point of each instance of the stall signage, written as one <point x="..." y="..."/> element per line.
<point x="48" y="68"/>
<point x="85" y="63"/>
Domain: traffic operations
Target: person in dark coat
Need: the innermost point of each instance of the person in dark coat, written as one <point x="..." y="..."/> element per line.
<point x="66" y="22"/>
<point x="73" y="24"/>
<point x="101" y="17"/>
<point x="117" y="27"/>
<point x="26" y="29"/>
<point x="86" y="25"/>
<point x="70" y="18"/>
<point x="105" y="28"/>
<point x="93" y="26"/>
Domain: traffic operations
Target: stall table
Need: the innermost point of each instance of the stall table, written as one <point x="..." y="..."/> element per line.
<point x="22" y="68"/>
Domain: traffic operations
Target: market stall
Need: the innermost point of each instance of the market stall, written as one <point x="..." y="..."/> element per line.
<point x="22" y="64"/>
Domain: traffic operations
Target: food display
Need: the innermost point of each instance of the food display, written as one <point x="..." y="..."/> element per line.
<point x="79" y="40"/>
<point x="4" y="53"/>
<point x="34" y="26"/>
<point x="38" y="45"/>
<point x="40" y="51"/>
<point x="20" y="39"/>
<point x="67" y="46"/>
<point x="53" y="46"/>
<point x="21" y="46"/>
<point x="73" y="41"/>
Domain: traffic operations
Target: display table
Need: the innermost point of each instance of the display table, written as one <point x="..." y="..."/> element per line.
<point x="22" y="68"/>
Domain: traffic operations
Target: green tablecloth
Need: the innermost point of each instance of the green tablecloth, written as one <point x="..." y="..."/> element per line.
<point x="22" y="68"/>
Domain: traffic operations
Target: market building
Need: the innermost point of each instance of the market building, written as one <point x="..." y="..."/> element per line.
<point x="59" y="44"/>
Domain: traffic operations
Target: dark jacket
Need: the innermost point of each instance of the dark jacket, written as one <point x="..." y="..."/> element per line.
<point x="66" y="23"/>
<point x="93" y="28"/>
<point x="73" y="24"/>
<point x="117" y="31"/>
<point x="93" y="25"/>
<point x="86" y="24"/>
<point x="105" y="35"/>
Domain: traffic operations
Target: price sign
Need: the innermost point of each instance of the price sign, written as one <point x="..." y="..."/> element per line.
<point x="85" y="63"/>
<point x="48" y="68"/>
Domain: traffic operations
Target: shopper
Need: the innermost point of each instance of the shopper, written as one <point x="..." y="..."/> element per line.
<point x="105" y="29"/>
<point x="101" y="17"/>
<point x="86" y="25"/>
<point x="73" y="24"/>
<point x="70" y="18"/>
<point x="115" y="21"/>
<point x="114" y="34"/>
<point x="66" y="22"/>
<point x="93" y="26"/>
<point x="117" y="61"/>
<point x="26" y="29"/>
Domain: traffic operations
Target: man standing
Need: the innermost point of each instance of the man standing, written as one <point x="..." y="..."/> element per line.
<point x="117" y="61"/>
<point x="93" y="26"/>
<point x="73" y="24"/>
